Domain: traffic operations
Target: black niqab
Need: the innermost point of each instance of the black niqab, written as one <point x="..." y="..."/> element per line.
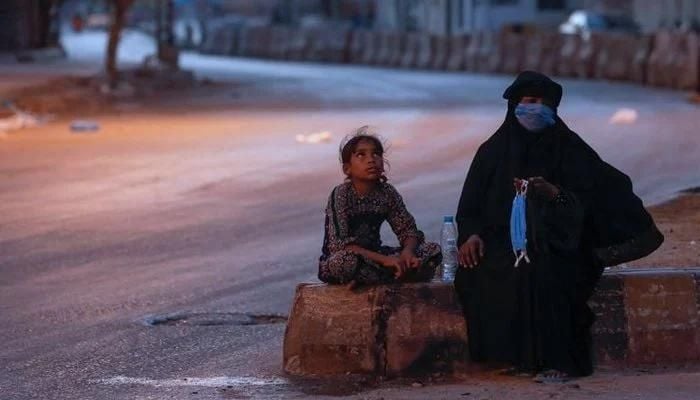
<point x="535" y="316"/>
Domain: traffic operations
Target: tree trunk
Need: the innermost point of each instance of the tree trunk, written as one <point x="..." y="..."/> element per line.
<point x="119" y="9"/>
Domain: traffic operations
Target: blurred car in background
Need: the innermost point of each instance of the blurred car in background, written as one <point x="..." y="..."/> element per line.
<point x="583" y="22"/>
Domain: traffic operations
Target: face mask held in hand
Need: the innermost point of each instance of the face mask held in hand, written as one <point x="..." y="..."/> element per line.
<point x="534" y="117"/>
<point x="518" y="224"/>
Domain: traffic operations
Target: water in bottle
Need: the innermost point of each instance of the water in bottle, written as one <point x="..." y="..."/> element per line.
<point x="448" y="242"/>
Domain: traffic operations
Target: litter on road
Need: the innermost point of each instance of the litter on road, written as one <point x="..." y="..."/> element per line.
<point x="19" y="119"/>
<point x="624" y="116"/>
<point x="314" y="138"/>
<point x="84" y="126"/>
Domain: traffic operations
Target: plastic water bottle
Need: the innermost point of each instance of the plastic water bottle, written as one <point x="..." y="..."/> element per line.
<point x="448" y="242"/>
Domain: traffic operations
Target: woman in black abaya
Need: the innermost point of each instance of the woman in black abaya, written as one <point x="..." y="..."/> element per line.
<point x="581" y="216"/>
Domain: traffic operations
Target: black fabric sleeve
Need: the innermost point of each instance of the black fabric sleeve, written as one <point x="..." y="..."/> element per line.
<point x="563" y="219"/>
<point x="469" y="220"/>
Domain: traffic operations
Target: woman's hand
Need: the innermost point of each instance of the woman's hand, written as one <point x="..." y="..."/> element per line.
<point x="409" y="258"/>
<point x="471" y="252"/>
<point x="396" y="264"/>
<point x="542" y="188"/>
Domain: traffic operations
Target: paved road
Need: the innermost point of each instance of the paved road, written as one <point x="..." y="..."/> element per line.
<point x="211" y="208"/>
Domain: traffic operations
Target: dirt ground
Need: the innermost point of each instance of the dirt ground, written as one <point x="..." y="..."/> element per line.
<point x="679" y="221"/>
<point x="603" y="385"/>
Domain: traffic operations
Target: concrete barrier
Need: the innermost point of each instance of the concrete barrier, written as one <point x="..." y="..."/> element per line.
<point x="397" y="44"/>
<point x="356" y="42"/>
<point x="370" y="47"/>
<point x="337" y="46"/>
<point x="661" y="60"/>
<point x="550" y="58"/>
<point x="541" y="52"/>
<point x="410" y="50"/>
<point x="298" y="45"/>
<point x="639" y="69"/>
<point x="534" y="51"/>
<point x="585" y="60"/>
<point x="622" y="57"/>
<point x="440" y="51"/>
<point x="568" y="55"/>
<point x="457" y="52"/>
<point x="280" y="37"/>
<point x="645" y="317"/>
<point x="222" y="39"/>
<point x="424" y="51"/>
<point x="316" y="45"/>
<point x="256" y="41"/>
<point x="489" y="56"/>
<point x="669" y="59"/>
<point x="471" y="53"/>
<point x="384" y="48"/>
<point x="327" y="45"/>
<point x="685" y="65"/>
<point x="608" y="65"/>
<point x="513" y="48"/>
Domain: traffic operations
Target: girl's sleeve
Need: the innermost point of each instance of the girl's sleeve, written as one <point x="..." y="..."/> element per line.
<point x="337" y="233"/>
<point x="402" y="222"/>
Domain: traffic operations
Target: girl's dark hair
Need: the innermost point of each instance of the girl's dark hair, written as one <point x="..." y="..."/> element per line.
<point x="351" y="141"/>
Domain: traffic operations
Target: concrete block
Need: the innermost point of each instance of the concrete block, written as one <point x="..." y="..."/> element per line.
<point x="332" y="331"/>
<point x="610" y="330"/>
<point x="425" y="329"/>
<point x="643" y="317"/>
<point x="662" y="318"/>
<point x="441" y="51"/>
<point x="457" y="52"/>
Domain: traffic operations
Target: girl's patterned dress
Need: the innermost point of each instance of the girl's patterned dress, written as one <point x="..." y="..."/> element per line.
<point x="355" y="219"/>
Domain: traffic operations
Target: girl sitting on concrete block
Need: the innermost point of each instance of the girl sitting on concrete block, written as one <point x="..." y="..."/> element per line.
<point x="352" y="250"/>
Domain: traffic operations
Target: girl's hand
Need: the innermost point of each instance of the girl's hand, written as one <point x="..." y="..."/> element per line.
<point x="396" y="264"/>
<point x="409" y="258"/>
<point x="471" y="252"/>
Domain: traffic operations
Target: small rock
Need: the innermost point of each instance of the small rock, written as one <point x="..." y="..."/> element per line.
<point x="417" y="385"/>
<point x="195" y="392"/>
<point x="575" y="386"/>
<point x="692" y="242"/>
<point x="465" y="394"/>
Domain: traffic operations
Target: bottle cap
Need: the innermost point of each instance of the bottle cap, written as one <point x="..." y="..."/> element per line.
<point x="448" y="218"/>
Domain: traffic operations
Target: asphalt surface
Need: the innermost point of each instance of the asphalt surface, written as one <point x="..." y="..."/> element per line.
<point x="210" y="210"/>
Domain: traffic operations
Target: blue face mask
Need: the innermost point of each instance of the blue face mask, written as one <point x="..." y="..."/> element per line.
<point x="534" y="117"/>
<point x="518" y="226"/>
